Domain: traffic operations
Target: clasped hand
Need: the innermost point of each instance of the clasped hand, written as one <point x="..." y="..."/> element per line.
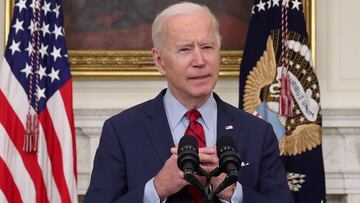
<point x="170" y="178"/>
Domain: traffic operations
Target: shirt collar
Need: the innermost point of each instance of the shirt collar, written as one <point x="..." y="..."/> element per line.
<point x="175" y="110"/>
<point x="209" y="112"/>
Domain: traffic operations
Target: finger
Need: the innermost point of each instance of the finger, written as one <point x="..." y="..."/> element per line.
<point x="217" y="180"/>
<point x="208" y="168"/>
<point x="173" y="150"/>
<point x="181" y="175"/>
<point x="208" y="159"/>
<point x="173" y="158"/>
<point x="207" y="150"/>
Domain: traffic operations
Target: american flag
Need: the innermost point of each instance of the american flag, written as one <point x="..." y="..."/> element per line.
<point x="35" y="82"/>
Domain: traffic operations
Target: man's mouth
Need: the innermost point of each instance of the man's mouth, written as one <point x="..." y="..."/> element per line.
<point x="199" y="77"/>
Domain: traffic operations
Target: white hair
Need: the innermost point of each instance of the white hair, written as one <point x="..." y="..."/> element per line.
<point x="157" y="30"/>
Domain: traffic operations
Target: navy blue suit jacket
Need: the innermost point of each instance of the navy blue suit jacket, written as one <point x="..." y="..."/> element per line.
<point x="135" y="144"/>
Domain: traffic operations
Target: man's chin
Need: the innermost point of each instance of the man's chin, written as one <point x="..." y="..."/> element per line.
<point x="202" y="94"/>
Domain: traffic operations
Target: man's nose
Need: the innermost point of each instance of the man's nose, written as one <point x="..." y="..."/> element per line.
<point x="198" y="58"/>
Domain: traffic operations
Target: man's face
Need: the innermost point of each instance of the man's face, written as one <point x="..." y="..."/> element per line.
<point x="190" y="57"/>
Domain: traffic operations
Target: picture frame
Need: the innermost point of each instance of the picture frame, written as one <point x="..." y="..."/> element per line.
<point x="138" y="64"/>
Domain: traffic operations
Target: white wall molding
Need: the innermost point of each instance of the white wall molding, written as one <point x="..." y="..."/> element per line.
<point x="341" y="118"/>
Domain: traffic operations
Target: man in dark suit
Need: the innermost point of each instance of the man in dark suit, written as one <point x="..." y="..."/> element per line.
<point x="136" y="160"/>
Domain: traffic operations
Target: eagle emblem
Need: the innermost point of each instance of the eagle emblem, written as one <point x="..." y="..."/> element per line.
<point x="302" y="131"/>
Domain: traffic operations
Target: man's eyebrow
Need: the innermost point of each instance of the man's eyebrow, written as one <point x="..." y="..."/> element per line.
<point x="185" y="44"/>
<point x="207" y="43"/>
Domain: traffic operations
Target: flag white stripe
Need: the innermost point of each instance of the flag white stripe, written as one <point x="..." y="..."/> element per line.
<point x="2" y="197"/>
<point x="17" y="98"/>
<point x="45" y="165"/>
<point x="14" y="92"/>
<point x="14" y="162"/>
<point x="57" y="111"/>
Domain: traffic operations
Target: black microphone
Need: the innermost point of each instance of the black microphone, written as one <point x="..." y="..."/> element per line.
<point x="188" y="160"/>
<point x="229" y="159"/>
<point x="188" y="155"/>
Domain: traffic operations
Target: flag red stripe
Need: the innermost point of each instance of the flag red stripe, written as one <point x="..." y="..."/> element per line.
<point x="54" y="151"/>
<point x="66" y="93"/>
<point x="7" y="184"/>
<point x="16" y="131"/>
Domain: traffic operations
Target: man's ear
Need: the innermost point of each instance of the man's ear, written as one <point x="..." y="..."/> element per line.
<point x="157" y="58"/>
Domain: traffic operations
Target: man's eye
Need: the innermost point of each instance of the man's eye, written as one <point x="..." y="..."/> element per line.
<point x="208" y="47"/>
<point x="183" y="50"/>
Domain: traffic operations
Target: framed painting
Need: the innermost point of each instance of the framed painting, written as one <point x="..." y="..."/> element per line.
<point x="109" y="39"/>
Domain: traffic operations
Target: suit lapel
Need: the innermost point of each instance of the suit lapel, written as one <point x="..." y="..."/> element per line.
<point x="228" y="117"/>
<point x="158" y="129"/>
<point x="226" y="125"/>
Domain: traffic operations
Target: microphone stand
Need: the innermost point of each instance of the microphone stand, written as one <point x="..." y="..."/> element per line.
<point x="230" y="179"/>
<point x="207" y="190"/>
<point x="190" y="177"/>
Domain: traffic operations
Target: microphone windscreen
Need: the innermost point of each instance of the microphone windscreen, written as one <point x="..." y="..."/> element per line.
<point x="187" y="140"/>
<point x="224" y="143"/>
<point x="188" y="158"/>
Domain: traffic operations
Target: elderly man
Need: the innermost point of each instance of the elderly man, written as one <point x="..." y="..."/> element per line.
<point x="137" y="156"/>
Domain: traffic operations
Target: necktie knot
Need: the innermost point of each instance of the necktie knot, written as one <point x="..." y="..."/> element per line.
<point x="193" y="115"/>
<point x="194" y="128"/>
